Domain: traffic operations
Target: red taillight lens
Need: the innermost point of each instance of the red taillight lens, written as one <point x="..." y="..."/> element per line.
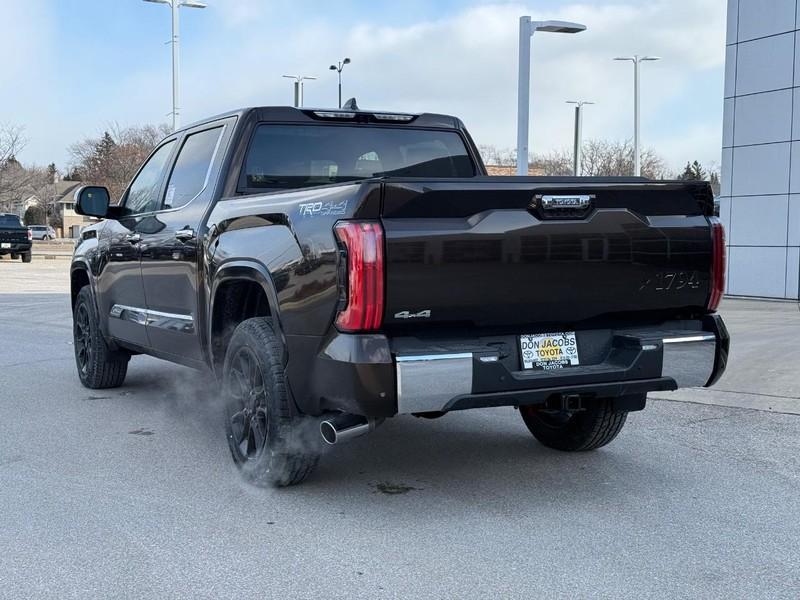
<point x="30" y="234"/>
<point x="363" y="241"/>
<point x="717" y="264"/>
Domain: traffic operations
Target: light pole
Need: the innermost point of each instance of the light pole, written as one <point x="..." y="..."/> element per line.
<point x="576" y="161"/>
<point x="338" y="68"/>
<point x="636" y="59"/>
<point x="176" y="65"/>
<point x="298" y="87"/>
<point x="526" y="30"/>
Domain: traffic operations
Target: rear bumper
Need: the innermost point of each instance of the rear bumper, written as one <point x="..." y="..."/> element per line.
<point x="374" y="376"/>
<point x="16" y="248"/>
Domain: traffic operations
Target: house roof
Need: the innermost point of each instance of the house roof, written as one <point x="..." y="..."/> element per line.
<point x="64" y="190"/>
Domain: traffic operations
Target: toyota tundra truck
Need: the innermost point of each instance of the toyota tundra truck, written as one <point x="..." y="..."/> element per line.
<point x="333" y="268"/>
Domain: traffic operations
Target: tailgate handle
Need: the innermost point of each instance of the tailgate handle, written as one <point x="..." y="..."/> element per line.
<point x="553" y="206"/>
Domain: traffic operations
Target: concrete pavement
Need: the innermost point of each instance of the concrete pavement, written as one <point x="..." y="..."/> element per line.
<point x="131" y="492"/>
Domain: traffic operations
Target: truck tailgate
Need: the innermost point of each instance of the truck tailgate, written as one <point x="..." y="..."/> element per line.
<point x="13" y="236"/>
<point x="488" y="252"/>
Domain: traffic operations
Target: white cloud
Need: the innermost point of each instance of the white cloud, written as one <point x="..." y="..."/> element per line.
<point x="464" y="63"/>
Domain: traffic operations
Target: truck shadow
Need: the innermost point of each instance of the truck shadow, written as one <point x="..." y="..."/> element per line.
<point x="481" y="458"/>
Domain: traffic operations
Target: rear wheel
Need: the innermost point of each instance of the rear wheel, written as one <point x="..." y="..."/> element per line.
<point x="269" y="442"/>
<point x="26" y="257"/>
<point x="14" y="256"/>
<point x="576" y="431"/>
<point x="98" y="366"/>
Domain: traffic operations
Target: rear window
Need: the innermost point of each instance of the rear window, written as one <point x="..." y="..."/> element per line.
<point x="286" y="156"/>
<point x="10" y="221"/>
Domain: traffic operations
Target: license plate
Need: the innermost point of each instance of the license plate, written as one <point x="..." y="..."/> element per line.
<point x="5" y="245"/>
<point x="547" y="351"/>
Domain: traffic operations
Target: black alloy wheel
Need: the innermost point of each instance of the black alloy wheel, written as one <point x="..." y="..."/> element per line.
<point x="249" y="421"/>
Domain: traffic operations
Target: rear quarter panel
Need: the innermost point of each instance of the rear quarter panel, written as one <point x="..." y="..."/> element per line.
<point x="290" y="236"/>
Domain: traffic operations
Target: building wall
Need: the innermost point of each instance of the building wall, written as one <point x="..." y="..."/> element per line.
<point x="72" y="221"/>
<point x="760" y="187"/>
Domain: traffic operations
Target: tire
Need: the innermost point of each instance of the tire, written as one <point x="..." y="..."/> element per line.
<point x="26" y="257"/>
<point x="576" y="432"/>
<point x="271" y="445"/>
<point x="14" y="256"/>
<point x="99" y="367"/>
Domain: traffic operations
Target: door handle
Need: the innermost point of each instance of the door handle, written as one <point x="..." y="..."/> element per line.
<point x="134" y="238"/>
<point x="185" y="234"/>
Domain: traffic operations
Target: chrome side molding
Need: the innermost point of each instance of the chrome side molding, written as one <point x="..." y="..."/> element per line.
<point x="129" y="313"/>
<point x="153" y="318"/>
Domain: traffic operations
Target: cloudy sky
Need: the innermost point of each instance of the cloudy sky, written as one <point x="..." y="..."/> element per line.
<point x="71" y="67"/>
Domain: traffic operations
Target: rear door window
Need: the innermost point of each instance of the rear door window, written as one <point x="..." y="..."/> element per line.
<point x="192" y="168"/>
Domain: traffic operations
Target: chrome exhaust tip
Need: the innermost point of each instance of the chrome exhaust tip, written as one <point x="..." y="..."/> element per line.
<point x="343" y="427"/>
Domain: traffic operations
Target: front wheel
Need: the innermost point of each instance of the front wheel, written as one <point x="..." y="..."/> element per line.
<point x="577" y="431"/>
<point x="99" y="367"/>
<point x="270" y="443"/>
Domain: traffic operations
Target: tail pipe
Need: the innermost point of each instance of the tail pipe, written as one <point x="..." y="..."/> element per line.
<point x="343" y="427"/>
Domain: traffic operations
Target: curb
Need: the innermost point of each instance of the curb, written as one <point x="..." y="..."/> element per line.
<point x="52" y="256"/>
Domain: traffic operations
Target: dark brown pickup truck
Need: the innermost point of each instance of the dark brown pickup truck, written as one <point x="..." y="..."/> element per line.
<point x="337" y="267"/>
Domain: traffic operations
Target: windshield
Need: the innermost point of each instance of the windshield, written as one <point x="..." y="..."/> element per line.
<point x="10" y="221"/>
<point x="283" y="156"/>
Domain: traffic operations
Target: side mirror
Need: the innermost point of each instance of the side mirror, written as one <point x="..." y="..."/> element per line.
<point x="92" y="201"/>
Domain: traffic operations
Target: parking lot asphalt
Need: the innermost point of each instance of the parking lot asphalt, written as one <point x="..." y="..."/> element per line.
<point x="131" y="492"/>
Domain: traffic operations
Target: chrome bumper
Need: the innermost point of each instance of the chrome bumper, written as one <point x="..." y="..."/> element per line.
<point x="428" y="383"/>
<point x="689" y="360"/>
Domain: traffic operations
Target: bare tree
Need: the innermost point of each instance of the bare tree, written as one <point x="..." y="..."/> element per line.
<point x="504" y="157"/>
<point x="600" y="158"/>
<point x="13" y="176"/>
<point x="556" y="163"/>
<point x="112" y="159"/>
<point x="615" y="159"/>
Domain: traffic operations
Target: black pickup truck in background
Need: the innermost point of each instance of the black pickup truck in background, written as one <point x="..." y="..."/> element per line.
<point x="15" y="238"/>
<point x="337" y="267"/>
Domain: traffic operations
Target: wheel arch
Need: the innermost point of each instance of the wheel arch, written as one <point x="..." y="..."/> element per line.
<point x="80" y="277"/>
<point x="241" y="290"/>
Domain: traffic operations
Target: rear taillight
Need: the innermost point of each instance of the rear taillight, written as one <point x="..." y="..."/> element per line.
<point x="717" y="264"/>
<point x="363" y="245"/>
<point x="30" y="235"/>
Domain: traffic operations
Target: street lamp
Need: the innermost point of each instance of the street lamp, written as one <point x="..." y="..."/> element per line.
<point x="338" y="68"/>
<point x="636" y="59"/>
<point x="526" y="30"/>
<point x="176" y="66"/>
<point x="298" y="87"/>
<point x="576" y="161"/>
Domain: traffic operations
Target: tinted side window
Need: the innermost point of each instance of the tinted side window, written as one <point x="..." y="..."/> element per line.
<point x="143" y="193"/>
<point x="189" y="177"/>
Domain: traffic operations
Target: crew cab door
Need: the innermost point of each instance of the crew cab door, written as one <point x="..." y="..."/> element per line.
<point x="120" y="288"/>
<point x="172" y="245"/>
